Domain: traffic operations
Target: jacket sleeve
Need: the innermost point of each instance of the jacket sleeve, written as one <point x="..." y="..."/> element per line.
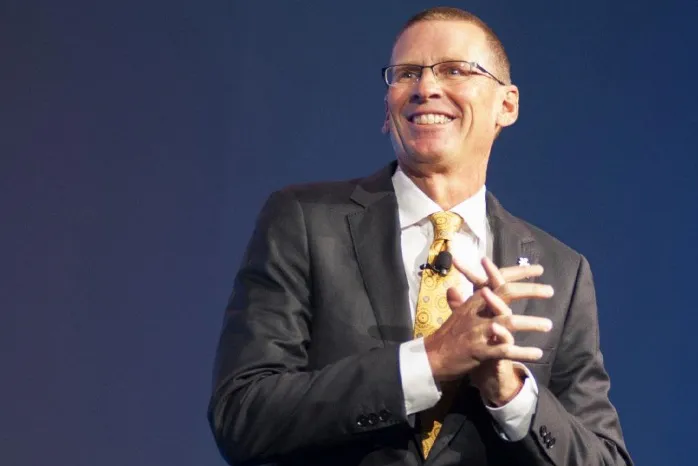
<point x="267" y="403"/>
<point x="574" y="422"/>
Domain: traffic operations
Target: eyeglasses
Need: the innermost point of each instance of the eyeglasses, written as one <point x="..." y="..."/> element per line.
<point x="448" y="72"/>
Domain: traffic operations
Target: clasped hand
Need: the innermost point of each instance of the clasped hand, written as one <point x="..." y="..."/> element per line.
<point x="478" y="338"/>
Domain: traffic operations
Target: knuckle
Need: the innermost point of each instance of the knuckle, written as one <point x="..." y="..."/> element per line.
<point x="506" y="320"/>
<point x="502" y="351"/>
<point x="505" y="291"/>
<point x="478" y="353"/>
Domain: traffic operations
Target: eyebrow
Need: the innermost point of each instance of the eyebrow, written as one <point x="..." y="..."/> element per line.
<point x="438" y="60"/>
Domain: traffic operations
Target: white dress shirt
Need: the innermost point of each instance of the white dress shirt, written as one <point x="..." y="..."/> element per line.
<point x="470" y="244"/>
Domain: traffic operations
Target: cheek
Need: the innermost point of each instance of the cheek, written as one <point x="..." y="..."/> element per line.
<point x="481" y="105"/>
<point x="468" y="96"/>
<point x="395" y="100"/>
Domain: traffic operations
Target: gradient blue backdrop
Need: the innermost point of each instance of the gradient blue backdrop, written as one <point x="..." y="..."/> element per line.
<point x="139" y="139"/>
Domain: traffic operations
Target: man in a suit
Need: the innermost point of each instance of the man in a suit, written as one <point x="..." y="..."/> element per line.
<point x="368" y="325"/>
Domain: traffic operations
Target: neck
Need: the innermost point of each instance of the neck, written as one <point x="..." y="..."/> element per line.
<point x="447" y="187"/>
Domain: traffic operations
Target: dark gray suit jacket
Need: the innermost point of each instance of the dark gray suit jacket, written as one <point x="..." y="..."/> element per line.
<point x="307" y="368"/>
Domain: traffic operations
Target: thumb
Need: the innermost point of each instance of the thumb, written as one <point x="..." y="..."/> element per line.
<point x="455" y="297"/>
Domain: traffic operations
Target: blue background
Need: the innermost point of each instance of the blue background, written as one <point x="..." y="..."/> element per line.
<point x="139" y="139"/>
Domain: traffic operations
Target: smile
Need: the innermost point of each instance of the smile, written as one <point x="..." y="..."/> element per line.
<point x="430" y="119"/>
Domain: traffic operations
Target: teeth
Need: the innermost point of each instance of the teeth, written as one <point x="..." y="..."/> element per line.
<point x="431" y="119"/>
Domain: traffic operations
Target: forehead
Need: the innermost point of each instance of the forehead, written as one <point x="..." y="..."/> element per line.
<point x="433" y="41"/>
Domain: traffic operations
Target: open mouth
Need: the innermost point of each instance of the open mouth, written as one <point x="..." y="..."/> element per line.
<point x="430" y="119"/>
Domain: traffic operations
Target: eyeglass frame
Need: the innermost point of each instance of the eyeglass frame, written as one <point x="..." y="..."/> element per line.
<point x="473" y="64"/>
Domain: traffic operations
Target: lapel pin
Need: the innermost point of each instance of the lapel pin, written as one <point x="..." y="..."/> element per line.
<point x="523" y="261"/>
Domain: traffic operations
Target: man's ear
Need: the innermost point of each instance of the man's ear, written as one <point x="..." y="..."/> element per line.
<point x="386" y="122"/>
<point x="509" y="111"/>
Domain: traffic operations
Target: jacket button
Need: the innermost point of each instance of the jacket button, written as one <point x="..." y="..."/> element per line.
<point x="384" y="415"/>
<point x="362" y="421"/>
<point x="372" y="419"/>
<point x="543" y="431"/>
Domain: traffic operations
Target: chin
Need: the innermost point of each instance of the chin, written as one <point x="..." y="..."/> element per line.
<point x="429" y="153"/>
<point x="423" y="160"/>
<point x="423" y="152"/>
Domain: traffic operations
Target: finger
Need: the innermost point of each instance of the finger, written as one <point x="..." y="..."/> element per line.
<point x="495" y="303"/>
<point x="494" y="276"/>
<point x="474" y="276"/>
<point x="478" y="278"/>
<point x="499" y="334"/>
<point x="513" y="353"/>
<point x="517" y="323"/>
<point x="521" y="272"/>
<point x="471" y="304"/>
<point x="512" y="291"/>
<point x="455" y="297"/>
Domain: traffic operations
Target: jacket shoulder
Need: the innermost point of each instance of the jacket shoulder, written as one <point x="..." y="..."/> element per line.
<point x="324" y="191"/>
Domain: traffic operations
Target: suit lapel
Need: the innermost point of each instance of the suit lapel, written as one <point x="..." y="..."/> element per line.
<point x="375" y="234"/>
<point x="512" y="241"/>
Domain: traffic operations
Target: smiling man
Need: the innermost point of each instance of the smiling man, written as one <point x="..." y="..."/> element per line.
<point x="406" y="317"/>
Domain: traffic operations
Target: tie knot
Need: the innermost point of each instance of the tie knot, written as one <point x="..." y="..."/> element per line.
<point x="446" y="224"/>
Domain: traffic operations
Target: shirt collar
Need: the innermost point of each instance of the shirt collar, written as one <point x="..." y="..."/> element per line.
<point x="415" y="206"/>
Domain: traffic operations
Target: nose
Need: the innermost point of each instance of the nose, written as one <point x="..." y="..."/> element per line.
<point x="427" y="87"/>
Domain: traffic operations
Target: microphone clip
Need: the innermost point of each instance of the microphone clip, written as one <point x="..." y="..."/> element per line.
<point x="441" y="265"/>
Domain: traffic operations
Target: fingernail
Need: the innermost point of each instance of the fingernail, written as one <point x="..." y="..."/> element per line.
<point x="548" y="325"/>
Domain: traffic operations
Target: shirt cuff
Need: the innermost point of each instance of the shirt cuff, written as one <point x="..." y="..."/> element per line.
<point x="513" y="420"/>
<point x="419" y="388"/>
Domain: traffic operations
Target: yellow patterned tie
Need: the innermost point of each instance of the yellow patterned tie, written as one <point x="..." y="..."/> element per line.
<point x="432" y="311"/>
